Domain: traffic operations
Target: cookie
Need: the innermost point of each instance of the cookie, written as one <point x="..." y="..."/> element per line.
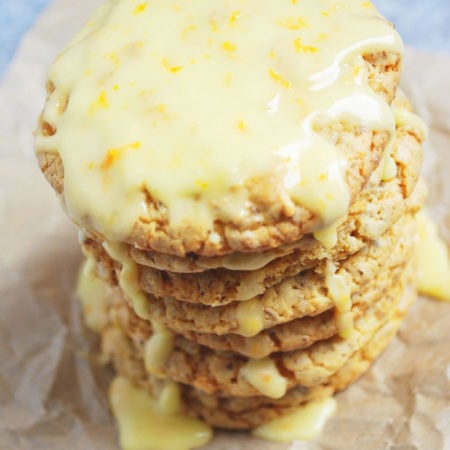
<point x="247" y="212"/>
<point x="249" y="412"/>
<point x="376" y="208"/>
<point x="303" y="295"/>
<point x="220" y="286"/>
<point x="379" y="206"/>
<point x="282" y="326"/>
<point x="224" y="373"/>
<point x="135" y="159"/>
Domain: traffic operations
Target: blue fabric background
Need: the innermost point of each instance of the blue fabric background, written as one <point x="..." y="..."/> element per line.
<point x="422" y="23"/>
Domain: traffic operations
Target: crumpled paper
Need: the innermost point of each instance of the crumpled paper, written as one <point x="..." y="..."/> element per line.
<point x="52" y="387"/>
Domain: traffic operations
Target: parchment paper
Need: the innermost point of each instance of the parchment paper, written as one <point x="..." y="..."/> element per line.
<point x="52" y="390"/>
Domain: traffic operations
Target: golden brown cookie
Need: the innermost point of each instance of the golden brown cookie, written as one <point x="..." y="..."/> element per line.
<point x="368" y="272"/>
<point x="274" y="215"/>
<point x="376" y="208"/>
<point x="244" y="413"/>
<point x="220" y="287"/>
<point x="249" y="412"/>
<point x="247" y="212"/>
<point x="220" y="373"/>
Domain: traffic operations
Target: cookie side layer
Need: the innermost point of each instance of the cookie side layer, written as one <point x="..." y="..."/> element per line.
<point x="249" y="412"/>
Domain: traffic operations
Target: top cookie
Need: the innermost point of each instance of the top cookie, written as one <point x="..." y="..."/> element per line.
<point x="214" y="127"/>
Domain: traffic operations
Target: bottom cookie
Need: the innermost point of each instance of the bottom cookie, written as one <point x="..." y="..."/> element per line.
<point x="237" y="413"/>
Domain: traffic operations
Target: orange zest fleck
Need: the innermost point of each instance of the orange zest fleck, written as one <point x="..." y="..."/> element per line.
<point x="293" y="23"/>
<point x="102" y="100"/>
<point x="228" y="46"/>
<point x="169" y="67"/>
<point x="279" y="79"/>
<point x="234" y="17"/>
<point x="111" y="157"/>
<point x="133" y="146"/>
<point x="140" y="8"/>
<point x="115" y="154"/>
<point x="201" y="184"/>
<point x="100" y="103"/>
<point x="242" y="126"/>
<point x="300" y="48"/>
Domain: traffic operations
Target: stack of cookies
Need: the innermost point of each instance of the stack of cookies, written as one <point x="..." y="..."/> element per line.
<point x="252" y="336"/>
<point x="253" y="245"/>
